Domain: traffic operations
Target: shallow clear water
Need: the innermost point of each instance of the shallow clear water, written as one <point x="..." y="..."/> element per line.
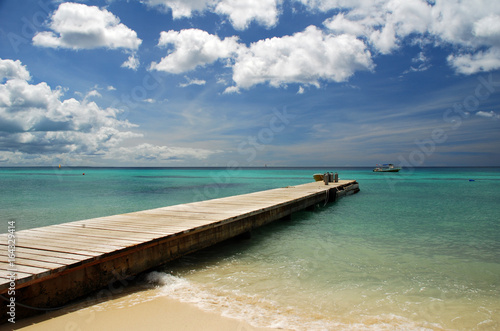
<point x="415" y="249"/>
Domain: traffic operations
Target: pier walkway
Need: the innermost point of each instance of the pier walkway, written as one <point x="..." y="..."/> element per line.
<point x="59" y="263"/>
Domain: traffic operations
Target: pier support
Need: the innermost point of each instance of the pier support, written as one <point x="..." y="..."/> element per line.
<point x="245" y="235"/>
<point x="311" y="208"/>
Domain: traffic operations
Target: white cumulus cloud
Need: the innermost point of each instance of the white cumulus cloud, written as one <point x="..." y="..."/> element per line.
<point x="193" y="82"/>
<point x="480" y="61"/>
<point x="381" y="23"/>
<point x="181" y="8"/>
<point x="242" y="12"/>
<point x="488" y="28"/>
<point x="13" y="69"/>
<point x="231" y="90"/>
<point x="34" y="119"/>
<point x="471" y="27"/>
<point x="131" y="63"/>
<point x="193" y="48"/>
<point x="78" y="26"/>
<point x="38" y="124"/>
<point x="306" y="57"/>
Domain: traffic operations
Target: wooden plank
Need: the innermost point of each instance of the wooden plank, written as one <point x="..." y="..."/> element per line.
<point x="23" y="269"/>
<point x="53" y="235"/>
<point x="155" y="222"/>
<point x="169" y="213"/>
<point x="61" y="249"/>
<point x="44" y="258"/>
<point x="146" y="224"/>
<point x="49" y="252"/>
<point x="87" y="249"/>
<point x="19" y="275"/>
<point x="233" y="207"/>
<point x="120" y="232"/>
<point x="47" y="234"/>
<point x="199" y="208"/>
<point x="93" y="234"/>
<point x="155" y="234"/>
<point x="165" y="228"/>
<point x="148" y="214"/>
<point x="165" y="225"/>
<point x="160" y="228"/>
<point x="146" y="217"/>
<point x="33" y="239"/>
<point x="178" y="221"/>
<point x="32" y="263"/>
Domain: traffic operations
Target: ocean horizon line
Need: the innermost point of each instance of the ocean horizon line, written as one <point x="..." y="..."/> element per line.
<point x="238" y="167"/>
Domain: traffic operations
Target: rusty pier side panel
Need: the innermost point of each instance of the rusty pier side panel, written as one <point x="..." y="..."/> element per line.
<point x="60" y="263"/>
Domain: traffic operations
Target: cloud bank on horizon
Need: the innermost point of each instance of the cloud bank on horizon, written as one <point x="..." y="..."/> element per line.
<point x="38" y="122"/>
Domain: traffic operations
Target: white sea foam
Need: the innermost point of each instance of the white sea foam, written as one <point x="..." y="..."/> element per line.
<point x="262" y="312"/>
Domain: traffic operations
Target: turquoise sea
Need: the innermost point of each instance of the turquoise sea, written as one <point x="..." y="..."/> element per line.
<point x="419" y="249"/>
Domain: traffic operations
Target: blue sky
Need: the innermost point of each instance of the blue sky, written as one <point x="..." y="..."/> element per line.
<point x="249" y="83"/>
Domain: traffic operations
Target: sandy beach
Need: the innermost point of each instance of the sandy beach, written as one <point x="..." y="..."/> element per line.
<point x="135" y="311"/>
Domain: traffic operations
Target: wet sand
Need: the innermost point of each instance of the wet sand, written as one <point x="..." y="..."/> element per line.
<point x="135" y="311"/>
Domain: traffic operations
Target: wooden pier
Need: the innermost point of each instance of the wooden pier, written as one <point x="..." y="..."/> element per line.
<point x="59" y="263"/>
